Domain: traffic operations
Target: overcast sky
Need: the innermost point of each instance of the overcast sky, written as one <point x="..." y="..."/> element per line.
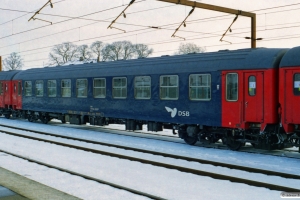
<point x="278" y="24"/>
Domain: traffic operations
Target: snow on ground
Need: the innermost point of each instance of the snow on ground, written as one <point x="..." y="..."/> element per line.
<point x="62" y="181"/>
<point x="155" y="158"/>
<point x="170" y="184"/>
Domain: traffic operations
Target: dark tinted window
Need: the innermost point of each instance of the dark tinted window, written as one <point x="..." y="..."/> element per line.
<point x="232" y="87"/>
<point x="297" y="84"/>
<point x="19" y="88"/>
<point x="252" y="85"/>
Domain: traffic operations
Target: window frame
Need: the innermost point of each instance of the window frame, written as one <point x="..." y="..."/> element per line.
<point x="296" y="90"/>
<point x="161" y="87"/>
<point x="48" y="87"/>
<point x="41" y="88"/>
<point x="136" y="88"/>
<point x="101" y="97"/>
<point x="63" y="88"/>
<point x="119" y="87"/>
<point x="26" y="88"/>
<point x="19" y="88"/>
<point x="85" y="88"/>
<point x="200" y="86"/>
<point x="251" y="86"/>
<point x="1" y="87"/>
<point x="237" y="87"/>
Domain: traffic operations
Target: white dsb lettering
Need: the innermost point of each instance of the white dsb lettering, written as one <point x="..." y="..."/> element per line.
<point x="184" y="113"/>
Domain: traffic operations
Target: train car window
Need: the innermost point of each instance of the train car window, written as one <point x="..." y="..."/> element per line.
<point x="28" y="88"/>
<point x="66" y="88"/>
<point x="142" y="87"/>
<point x="1" y="88"/>
<point x="39" y="88"/>
<point x="99" y="88"/>
<point x="297" y="84"/>
<point x="52" y="87"/>
<point x="81" y="88"/>
<point x="200" y="87"/>
<point x="169" y="87"/>
<point x="231" y="87"/>
<point x="120" y="88"/>
<point x="252" y="86"/>
<point x="19" y="88"/>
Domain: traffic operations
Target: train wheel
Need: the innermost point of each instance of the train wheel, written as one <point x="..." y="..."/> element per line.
<point x="7" y="116"/>
<point x="31" y="118"/>
<point x="190" y="140"/>
<point x="232" y="144"/>
<point x="45" y="120"/>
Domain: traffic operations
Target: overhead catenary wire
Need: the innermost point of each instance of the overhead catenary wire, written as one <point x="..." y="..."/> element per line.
<point x="69" y="19"/>
<point x="165" y="6"/>
<point x="114" y="8"/>
<point x="156" y="43"/>
<point x="173" y="50"/>
<point x="27" y="13"/>
<point x="139" y="30"/>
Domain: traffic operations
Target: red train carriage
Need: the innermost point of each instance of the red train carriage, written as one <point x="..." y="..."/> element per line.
<point x="250" y="103"/>
<point x="6" y="93"/>
<point x="16" y="101"/>
<point x="289" y="94"/>
<point x="250" y="98"/>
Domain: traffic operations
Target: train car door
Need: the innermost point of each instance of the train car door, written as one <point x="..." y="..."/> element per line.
<point x="1" y="95"/>
<point x="292" y="97"/>
<point x="17" y="95"/>
<point x="7" y="93"/>
<point x="253" y="96"/>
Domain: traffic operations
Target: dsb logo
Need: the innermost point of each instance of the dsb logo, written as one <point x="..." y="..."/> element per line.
<point x="184" y="113"/>
<point x="180" y="113"/>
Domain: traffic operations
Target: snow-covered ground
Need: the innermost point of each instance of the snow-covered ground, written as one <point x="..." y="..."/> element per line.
<point x="166" y="183"/>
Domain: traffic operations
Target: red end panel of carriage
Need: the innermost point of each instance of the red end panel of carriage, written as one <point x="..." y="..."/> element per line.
<point x="249" y="98"/>
<point x="16" y="94"/>
<point x="289" y="96"/>
<point x="7" y="93"/>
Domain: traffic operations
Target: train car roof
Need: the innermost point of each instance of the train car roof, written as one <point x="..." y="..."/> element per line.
<point x="261" y="58"/>
<point x="291" y="58"/>
<point x="8" y="75"/>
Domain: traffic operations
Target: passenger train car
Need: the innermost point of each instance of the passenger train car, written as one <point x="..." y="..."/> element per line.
<point x="247" y="95"/>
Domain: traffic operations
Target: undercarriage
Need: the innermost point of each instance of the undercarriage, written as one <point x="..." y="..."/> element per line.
<point x="271" y="138"/>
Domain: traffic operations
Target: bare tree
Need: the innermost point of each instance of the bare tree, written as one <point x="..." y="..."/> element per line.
<point x="121" y="50"/>
<point x="63" y="53"/>
<point x="142" y="50"/>
<point x="96" y="48"/>
<point x="84" y="53"/>
<point x="129" y="50"/>
<point x="189" y="48"/>
<point x="13" y="62"/>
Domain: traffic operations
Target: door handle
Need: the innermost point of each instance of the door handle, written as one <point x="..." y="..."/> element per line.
<point x="246" y="104"/>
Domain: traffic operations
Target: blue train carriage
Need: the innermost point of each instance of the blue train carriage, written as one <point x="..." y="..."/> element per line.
<point x="182" y="93"/>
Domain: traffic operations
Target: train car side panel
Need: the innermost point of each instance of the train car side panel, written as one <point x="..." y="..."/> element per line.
<point x="17" y="94"/>
<point x="249" y="98"/>
<point x="290" y="98"/>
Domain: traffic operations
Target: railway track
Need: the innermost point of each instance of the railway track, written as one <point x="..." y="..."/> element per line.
<point x="290" y="153"/>
<point x="137" y="192"/>
<point x="170" y="166"/>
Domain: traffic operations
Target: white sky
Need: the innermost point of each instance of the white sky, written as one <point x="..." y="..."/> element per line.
<point x="279" y="27"/>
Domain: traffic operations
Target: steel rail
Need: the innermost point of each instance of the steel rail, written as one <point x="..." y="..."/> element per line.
<point x="168" y="166"/>
<point x="85" y="176"/>
<point x="198" y="160"/>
